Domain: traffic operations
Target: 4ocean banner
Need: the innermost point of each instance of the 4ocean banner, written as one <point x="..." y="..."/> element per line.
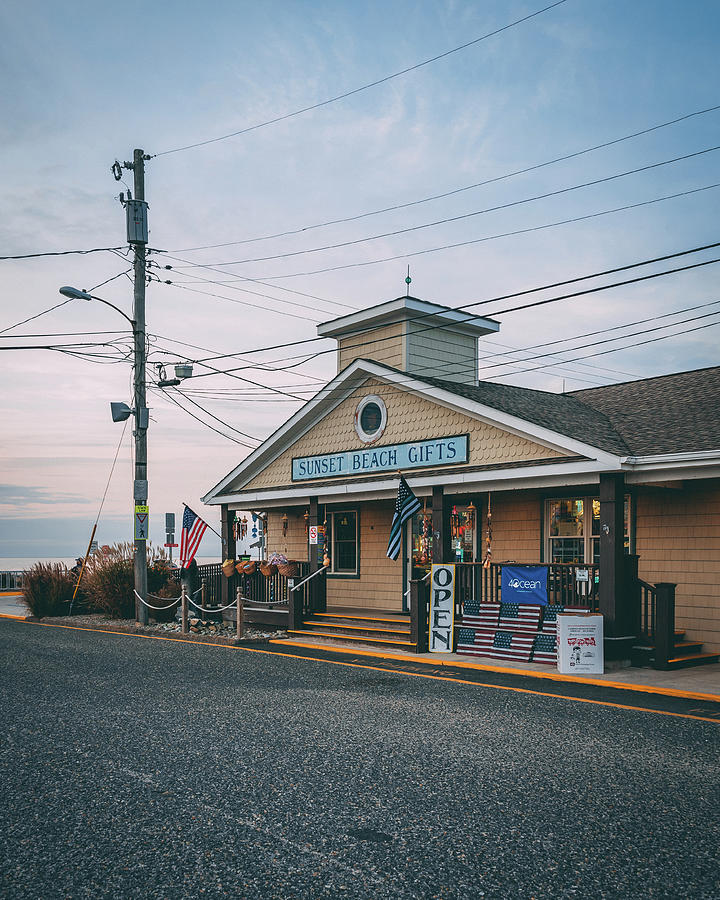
<point x="524" y="584"/>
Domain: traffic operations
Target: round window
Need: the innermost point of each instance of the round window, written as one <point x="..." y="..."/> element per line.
<point x="370" y="419"/>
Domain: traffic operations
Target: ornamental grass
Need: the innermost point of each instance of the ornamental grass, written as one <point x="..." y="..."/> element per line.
<point x="48" y="589"/>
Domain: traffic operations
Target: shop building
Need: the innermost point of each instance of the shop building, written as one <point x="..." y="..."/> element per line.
<point x="621" y="482"/>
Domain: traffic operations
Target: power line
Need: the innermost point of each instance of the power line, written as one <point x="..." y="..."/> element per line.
<point x="198" y="419"/>
<point x="364" y="87"/>
<point x="469" y="316"/>
<point x="618" y="349"/>
<point x="454" y="191"/>
<point x="487" y="238"/>
<point x="36" y="316"/>
<point x="62" y="253"/>
<point x="450" y="219"/>
<point x="185" y="287"/>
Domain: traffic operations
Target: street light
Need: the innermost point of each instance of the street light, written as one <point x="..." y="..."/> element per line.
<point x="121" y="411"/>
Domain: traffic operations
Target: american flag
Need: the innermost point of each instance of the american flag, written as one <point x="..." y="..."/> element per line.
<point x="545" y="649"/>
<point x="484" y="615"/>
<point x="520" y="617"/>
<point x="549" y="624"/>
<point x="475" y="643"/>
<point x="193" y="528"/>
<point x="405" y="506"/>
<point x="507" y="645"/>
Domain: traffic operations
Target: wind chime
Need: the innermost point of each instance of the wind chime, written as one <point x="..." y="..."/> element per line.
<point x="254" y="526"/>
<point x="239" y="528"/>
<point x="284" y="524"/>
<point x="488" y="538"/>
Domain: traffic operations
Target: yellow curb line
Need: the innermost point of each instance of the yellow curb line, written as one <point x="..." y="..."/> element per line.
<point x="8" y="616"/>
<point x="530" y="673"/>
<point x="498" y="687"/>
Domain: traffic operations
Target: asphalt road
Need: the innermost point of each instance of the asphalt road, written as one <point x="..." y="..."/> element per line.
<point x="142" y="768"/>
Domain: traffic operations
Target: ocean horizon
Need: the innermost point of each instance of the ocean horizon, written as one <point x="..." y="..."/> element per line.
<point x="21" y="563"/>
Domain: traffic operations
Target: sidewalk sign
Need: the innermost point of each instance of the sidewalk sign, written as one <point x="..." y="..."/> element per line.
<point x="580" y="645"/>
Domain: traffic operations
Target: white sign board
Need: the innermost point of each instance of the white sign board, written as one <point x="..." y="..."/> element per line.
<point x="580" y="645"/>
<point x="442" y="608"/>
<point x="582" y="575"/>
<point x="313" y="534"/>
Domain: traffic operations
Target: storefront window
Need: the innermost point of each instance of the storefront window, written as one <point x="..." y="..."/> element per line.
<point x="344" y="541"/>
<point x="574" y="529"/>
<point x="463" y="541"/>
<point x="566" y="531"/>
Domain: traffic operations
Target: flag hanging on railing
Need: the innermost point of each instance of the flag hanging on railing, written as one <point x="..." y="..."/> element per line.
<point x="193" y="529"/>
<point x="405" y="506"/>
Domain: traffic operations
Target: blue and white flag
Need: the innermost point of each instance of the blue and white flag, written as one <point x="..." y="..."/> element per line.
<point x="405" y="506"/>
<point x="524" y="584"/>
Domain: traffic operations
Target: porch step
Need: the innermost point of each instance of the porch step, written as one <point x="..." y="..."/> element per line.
<point x="693" y="659"/>
<point x="325" y="636"/>
<point x="349" y="625"/>
<point x="335" y="617"/>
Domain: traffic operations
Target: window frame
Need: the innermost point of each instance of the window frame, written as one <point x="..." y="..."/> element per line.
<point x="367" y="437"/>
<point x="332" y="572"/>
<point x="588" y="538"/>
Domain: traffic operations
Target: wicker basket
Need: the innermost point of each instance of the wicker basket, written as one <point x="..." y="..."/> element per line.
<point x="289" y="569"/>
<point x="228" y="567"/>
<point x="245" y="567"/>
<point x="268" y="569"/>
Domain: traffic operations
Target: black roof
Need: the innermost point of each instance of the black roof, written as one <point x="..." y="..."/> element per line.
<point x="668" y="414"/>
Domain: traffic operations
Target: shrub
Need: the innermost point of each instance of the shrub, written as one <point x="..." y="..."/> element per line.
<point x="110" y="581"/>
<point x="48" y="589"/>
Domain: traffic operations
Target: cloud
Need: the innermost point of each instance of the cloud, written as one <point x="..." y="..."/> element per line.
<point x="20" y="495"/>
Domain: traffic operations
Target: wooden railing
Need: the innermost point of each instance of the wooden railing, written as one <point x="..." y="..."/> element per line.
<point x="478" y="584"/>
<point x="269" y="591"/>
<point x="657" y="620"/>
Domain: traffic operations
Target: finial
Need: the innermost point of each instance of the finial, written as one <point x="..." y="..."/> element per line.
<point x="408" y="281"/>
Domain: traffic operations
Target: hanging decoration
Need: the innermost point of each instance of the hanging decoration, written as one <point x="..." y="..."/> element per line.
<point x="254" y="526"/>
<point x="425" y="537"/>
<point x="454" y="522"/>
<point x="284" y="524"/>
<point x="488" y="538"/>
<point x="243" y="527"/>
<point x="235" y="528"/>
<point x="470" y="515"/>
<point x="326" y="545"/>
<point x="306" y="516"/>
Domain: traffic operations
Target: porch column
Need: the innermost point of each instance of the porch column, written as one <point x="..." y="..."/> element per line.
<point x="440" y="525"/>
<point x="229" y="549"/>
<point x="616" y="590"/>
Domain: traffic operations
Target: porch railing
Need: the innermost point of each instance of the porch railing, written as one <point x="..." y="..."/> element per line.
<point x="267" y="591"/>
<point x="478" y="584"/>
<point x="657" y="620"/>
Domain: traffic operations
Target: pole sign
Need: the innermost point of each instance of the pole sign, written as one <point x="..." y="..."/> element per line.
<point x="524" y="584"/>
<point x="442" y="607"/>
<point x="142" y="522"/>
<point x="313" y="534"/>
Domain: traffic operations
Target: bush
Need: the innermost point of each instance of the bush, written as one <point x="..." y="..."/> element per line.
<point x="48" y="589"/>
<point x="109" y="582"/>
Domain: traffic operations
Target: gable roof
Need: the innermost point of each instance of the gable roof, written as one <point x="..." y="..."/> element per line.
<point x="676" y="413"/>
<point x="561" y="413"/>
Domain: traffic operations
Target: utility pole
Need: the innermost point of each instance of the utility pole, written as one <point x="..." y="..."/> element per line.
<point x="140" y="490"/>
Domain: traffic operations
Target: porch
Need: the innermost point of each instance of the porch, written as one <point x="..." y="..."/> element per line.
<point x="299" y="605"/>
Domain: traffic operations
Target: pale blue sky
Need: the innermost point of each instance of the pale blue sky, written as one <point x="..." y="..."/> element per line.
<point x="84" y="83"/>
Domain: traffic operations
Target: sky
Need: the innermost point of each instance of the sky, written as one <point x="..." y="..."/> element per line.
<point x="86" y="83"/>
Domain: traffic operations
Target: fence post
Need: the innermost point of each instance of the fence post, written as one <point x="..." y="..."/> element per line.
<point x="418" y="616"/>
<point x="203" y="593"/>
<point x="239" y="614"/>
<point x="664" y="624"/>
<point x="184" y="606"/>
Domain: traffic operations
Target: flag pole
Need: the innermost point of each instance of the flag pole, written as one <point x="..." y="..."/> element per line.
<point x="200" y="517"/>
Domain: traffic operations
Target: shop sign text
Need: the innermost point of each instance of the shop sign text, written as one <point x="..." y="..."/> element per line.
<point x="442" y="607"/>
<point x="418" y="454"/>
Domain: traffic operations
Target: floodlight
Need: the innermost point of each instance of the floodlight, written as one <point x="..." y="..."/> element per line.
<point x="120" y="412"/>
